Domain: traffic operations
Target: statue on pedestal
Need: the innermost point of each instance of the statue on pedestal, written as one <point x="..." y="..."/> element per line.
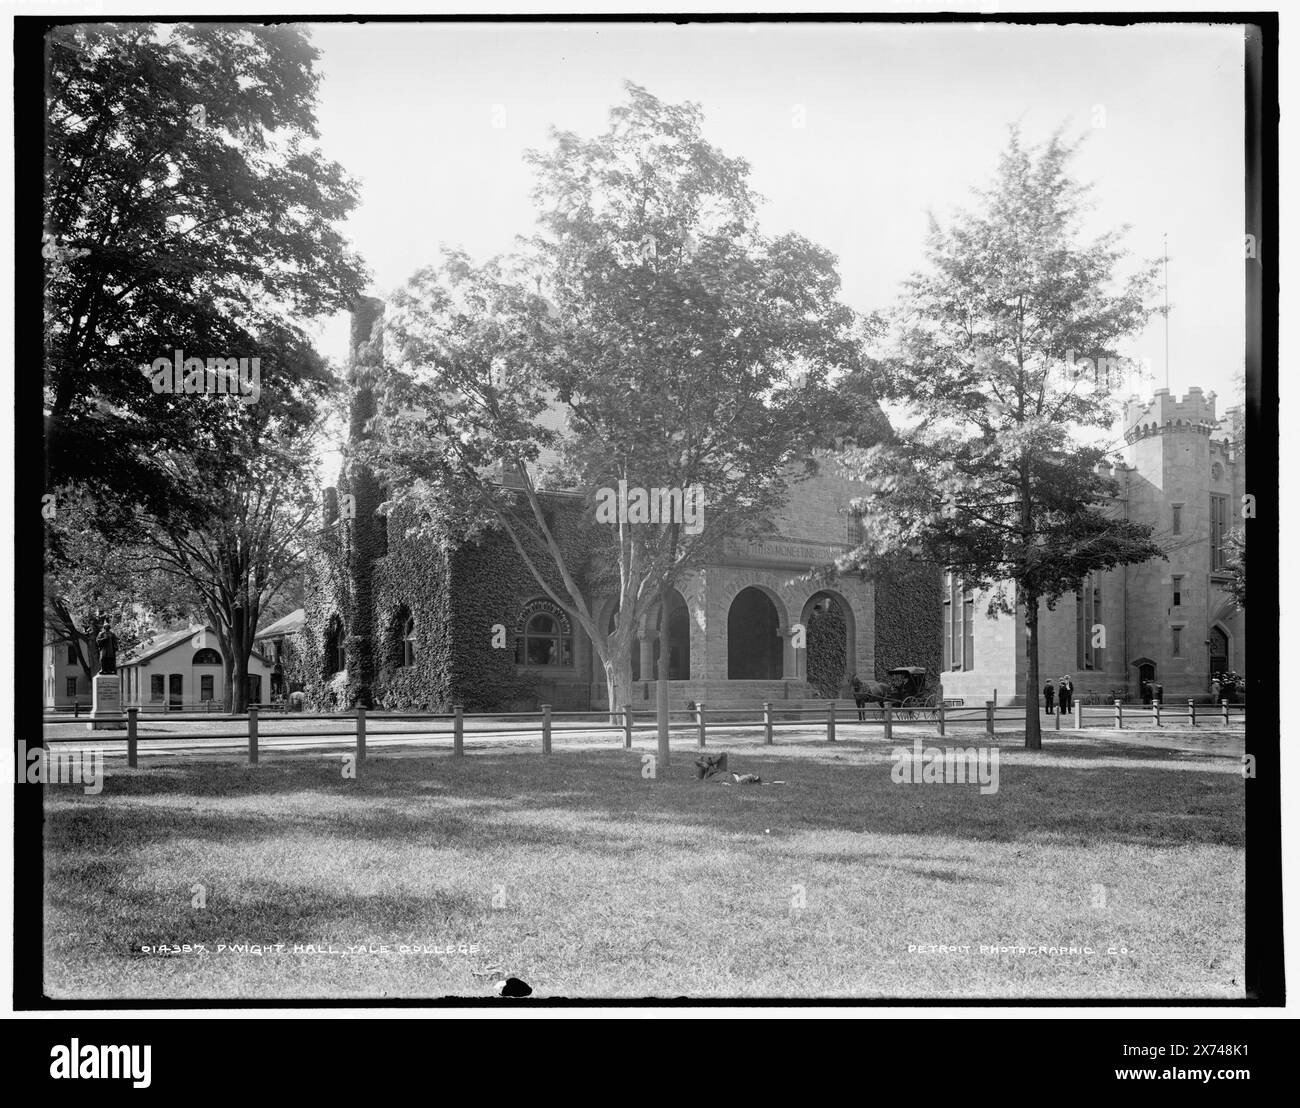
<point x="107" y="643"/>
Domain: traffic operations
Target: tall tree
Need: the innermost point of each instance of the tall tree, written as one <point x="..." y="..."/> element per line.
<point x="89" y="582"/>
<point x="649" y="335"/>
<point x="186" y="209"/>
<point x="997" y="350"/>
<point x="245" y="545"/>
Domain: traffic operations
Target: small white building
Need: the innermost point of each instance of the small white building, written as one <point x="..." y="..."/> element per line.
<point x="185" y="669"/>
<point x="64" y="682"/>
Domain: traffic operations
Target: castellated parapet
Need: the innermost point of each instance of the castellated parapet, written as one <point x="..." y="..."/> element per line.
<point x="1163" y="415"/>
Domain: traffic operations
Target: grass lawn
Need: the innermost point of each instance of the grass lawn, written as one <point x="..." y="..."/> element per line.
<point x="587" y="879"/>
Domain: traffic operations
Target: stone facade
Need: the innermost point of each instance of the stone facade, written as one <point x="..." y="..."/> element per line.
<point x="749" y="601"/>
<point x="1160" y="618"/>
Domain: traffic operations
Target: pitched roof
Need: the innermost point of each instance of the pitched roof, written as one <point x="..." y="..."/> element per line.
<point x="285" y="625"/>
<point x="160" y="644"/>
<point x="151" y="648"/>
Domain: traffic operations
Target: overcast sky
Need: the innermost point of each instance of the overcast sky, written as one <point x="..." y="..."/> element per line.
<point x="433" y="119"/>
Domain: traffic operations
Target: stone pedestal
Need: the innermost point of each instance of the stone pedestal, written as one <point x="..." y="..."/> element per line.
<point x="106" y="714"/>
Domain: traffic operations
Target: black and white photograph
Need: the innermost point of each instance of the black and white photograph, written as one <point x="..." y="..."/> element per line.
<point x="646" y="510"/>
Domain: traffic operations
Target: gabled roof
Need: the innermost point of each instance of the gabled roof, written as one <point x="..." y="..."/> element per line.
<point x="285" y="625"/>
<point x="151" y="648"/>
<point x="169" y="640"/>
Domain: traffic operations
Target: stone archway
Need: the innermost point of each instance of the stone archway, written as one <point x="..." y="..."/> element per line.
<point x="829" y="603"/>
<point x="754" y="645"/>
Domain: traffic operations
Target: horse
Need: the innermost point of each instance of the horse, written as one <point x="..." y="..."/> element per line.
<point x="867" y="691"/>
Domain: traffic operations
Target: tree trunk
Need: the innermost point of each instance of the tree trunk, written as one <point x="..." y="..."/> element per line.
<point x="1033" y="721"/>
<point x="661" y="680"/>
<point x="228" y="670"/>
<point x="618" y="685"/>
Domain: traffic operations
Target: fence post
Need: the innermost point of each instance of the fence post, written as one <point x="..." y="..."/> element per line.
<point x="767" y="722"/>
<point x="76" y="709"/>
<point x="887" y="714"/>
<point x="252" y="734"/>
<point x="546" y="728"/>
<point x="940" y="717"/>
<point x="1056" y="717"/>
<point x="1191" y="713"/>
<point x="131" y="716"/>
<point x="1078" y="715"/>
<point x="361" y="734"/>
<point x="988" y="716"/>
<point x="830" y="723"/>
<point x="699" y="716"/>
<point x="627" y="726"/>
<point x="1225" y="710"/>
<point x="1155" y="711"/>
<point x="1119" y="716"/>
<point x="458" y="730"/>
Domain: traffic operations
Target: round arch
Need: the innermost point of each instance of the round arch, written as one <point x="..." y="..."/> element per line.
<point x="820" y="600"/>
<point x="755" y="647"/>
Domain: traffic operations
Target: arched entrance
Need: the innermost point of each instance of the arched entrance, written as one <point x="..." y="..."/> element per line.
<point x="753" y="642"/>
<point x="829" y="640"/>
<point x="1219" y="653"/>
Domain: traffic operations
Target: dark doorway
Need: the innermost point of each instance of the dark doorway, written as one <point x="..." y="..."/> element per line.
<point x="255" y="688"/>
<point x="176" y="690"/>
<point x="1218" y="651"/>
<point x="678" y="633"/>
<point x="753" y="646"/>
<point x="1147" y="681"/>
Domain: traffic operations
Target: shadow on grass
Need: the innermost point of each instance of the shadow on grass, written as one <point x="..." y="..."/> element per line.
<point x="598" y="801"/>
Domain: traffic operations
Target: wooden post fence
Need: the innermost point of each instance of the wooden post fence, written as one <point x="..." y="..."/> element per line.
<point x="252" y="734"/>
<point x="1056" y="717"/>
<point x="458" y="730"/>
<point x="767" y="722"/>
<point x="546" y="728"/>
<point x="989" y="707"/>
<point x="830" y="723"/>
<point x="1191" y="712"/>
<point x="699" y="718"/>
<point x="939" y="717"/>
<point x="1155" y="711"/>
<point x="1078" y="715"/>
<point x="1225" y="710"/>
<point x="887" y="713"/>
<point x="132" y="714"/>
<point x="627" y="726"/>
<point x="1119" y="715"/>
<point x="361" y="734"/>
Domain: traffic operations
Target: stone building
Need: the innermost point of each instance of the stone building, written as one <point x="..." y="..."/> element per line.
<point x="410" y="624"/>
<point x="1171" y="623"/>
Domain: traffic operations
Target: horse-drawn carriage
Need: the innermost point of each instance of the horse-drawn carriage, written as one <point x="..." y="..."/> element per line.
<point x="904" y="692"/>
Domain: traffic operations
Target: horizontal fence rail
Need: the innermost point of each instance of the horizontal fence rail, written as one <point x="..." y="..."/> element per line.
<point x="769" y="716"/>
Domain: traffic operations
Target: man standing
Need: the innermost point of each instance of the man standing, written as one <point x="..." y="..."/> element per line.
<point x="1066" y="697"/>
<point x="1049" y="696"/>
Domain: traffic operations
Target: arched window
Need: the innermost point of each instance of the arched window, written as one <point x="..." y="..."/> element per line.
<point x="207" y="657"/>
<point x="543" y="635"/>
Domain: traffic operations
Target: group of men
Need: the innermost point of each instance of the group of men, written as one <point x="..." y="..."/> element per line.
<point x="1062" y="701"/>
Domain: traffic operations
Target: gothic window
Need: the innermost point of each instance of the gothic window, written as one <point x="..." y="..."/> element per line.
<point x="408" y="642"/>
<point x="958" y="624"/>
<point x="1218" y="532"/>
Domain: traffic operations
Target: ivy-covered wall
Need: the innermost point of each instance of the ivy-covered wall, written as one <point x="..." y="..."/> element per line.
<point x="909" y="621"/>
